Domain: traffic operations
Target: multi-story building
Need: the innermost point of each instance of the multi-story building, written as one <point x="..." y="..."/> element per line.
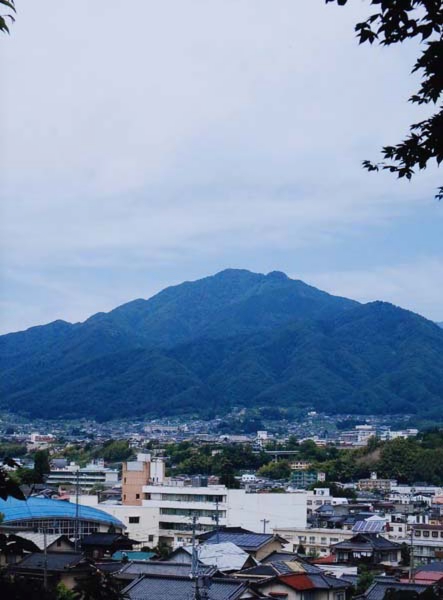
<point x="374" y="484"/>
<point x="264" y="512"/>
<point x="427" y="541"/>
<point x="136" y="474"/>
<point x="314" y="541"/>
<point x="87" y="477"/>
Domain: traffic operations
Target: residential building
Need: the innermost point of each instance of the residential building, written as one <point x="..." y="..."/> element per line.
<point x="302" y="479"/>
<point x="374" y="484"/>
<point x="94" y="474"/>
<point x="258" y="512"/>
<point x="368" y="549"/>
<point x="427" y="543"/>
<point x="314" y="541"/>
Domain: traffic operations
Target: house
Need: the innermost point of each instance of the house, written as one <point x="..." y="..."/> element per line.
<point x="290" y="565"/>
<point x="136" y="569"/>
<point x="378" y="589"/>
<point x="54" y="542"/>
<point x="13" y="548"/>
<point x="57" y="567"/>
<point x="369" y="549"/>
<point x="225" y="556"/>
<point x="301" y="586"/>
<point x="431" y="573"/>
<point x="257" y="545"/>
<point x="178" y="588"/>
<point x="101" y="545"/>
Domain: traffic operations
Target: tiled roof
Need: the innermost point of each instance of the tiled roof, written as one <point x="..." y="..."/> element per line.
<point x="313" y="582"/>
<point x="106" y="539"/>
<point x="179" y="588"/>
<point x="277" y="555"/>
<point x="378" y="589"/>
<point x="434" y="566"/>
<point x="55" y="561"/>
<point x="366" y="542"/>
<point x="159" y="567"/>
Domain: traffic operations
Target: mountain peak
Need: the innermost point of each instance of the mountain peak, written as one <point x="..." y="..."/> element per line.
<point x="277" y="276"/>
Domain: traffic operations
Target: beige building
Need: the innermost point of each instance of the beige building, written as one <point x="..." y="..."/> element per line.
<point x="315" y="541"/>
<point x="137" y="473"/>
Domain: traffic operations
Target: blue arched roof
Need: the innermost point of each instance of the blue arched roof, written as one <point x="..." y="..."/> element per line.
<point x="44" y="508"/>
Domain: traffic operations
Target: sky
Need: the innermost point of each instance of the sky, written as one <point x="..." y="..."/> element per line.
<point x="148" y="143"/>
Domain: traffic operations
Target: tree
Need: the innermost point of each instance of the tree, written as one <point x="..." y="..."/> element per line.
<point x="98" y="586"/>
<point x="393" y="23"/>
<point x="41" y="465"/>
<point x="8" y="486"/>
<point x="276" y="470"/>
<point x="365" y="579"/>
<point x="9" y="4"/>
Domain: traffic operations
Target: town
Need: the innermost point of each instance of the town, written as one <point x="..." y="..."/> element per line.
<point x="252" y="515"/>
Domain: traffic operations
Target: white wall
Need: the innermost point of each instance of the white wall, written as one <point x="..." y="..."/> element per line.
<point x="148" y="518"/>
<point x="281" y="510"/>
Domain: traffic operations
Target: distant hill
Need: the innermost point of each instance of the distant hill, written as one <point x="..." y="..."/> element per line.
<point x="440" y="324"/>
<point x="236" y="339"/>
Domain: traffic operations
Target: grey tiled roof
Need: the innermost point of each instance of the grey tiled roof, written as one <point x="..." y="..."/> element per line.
<point x="378" y="589"/>
<point x="159" y="567"/>
<point x="276" y="555"/>
<point x="181" y="588"/>
<point x="55" y="561"/>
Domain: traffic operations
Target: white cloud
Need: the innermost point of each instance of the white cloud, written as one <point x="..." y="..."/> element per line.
<point x="157" y="137"/>
<point x="415" y="286"/>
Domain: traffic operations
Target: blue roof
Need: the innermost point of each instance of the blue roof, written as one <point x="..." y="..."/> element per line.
<point x="44" y="508"/>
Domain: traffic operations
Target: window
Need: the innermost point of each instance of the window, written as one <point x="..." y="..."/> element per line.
<point x="425" y="533"/>
<point x="435" y="534"/>
<point x="418" y="534"/>
<point x="134" y="520"/>
<point x="137" y="496"/>
<point x="150" y="538"/>
<point x="339" y="596"/>
<point x="312" y="539"/>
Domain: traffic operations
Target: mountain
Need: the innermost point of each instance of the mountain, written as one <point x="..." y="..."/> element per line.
<point x="440" y="324"/>
<point x="236" y="339"/>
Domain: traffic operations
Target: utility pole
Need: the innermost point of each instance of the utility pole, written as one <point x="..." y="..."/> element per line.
<point x="216" y="518"/>
<point x="265" y="522"/>
<point x="45" y="559"/>
<point x="411" y="557"/>
<point x="76" y="523"/>
<point x="194" y="562"/>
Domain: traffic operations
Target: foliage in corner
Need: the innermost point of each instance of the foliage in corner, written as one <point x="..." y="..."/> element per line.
<point x="9" y="4"/>
<point x="396" y="22"/>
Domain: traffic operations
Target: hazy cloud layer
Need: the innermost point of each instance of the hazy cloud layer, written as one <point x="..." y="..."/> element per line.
<point x="148" y="143"/>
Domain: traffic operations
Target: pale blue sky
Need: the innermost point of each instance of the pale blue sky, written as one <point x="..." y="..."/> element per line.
<point x="147" y="143"/>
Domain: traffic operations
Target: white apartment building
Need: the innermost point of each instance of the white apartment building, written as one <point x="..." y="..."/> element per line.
<point x="166" y="512"/>
<point x="93" y="474"/>
<point x="177" y="505"/>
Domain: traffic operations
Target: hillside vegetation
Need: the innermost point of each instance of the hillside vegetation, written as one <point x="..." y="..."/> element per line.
<point x="236" y="339"/>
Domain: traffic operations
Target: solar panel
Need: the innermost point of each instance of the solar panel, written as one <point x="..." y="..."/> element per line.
<point x="369" y="526"/>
